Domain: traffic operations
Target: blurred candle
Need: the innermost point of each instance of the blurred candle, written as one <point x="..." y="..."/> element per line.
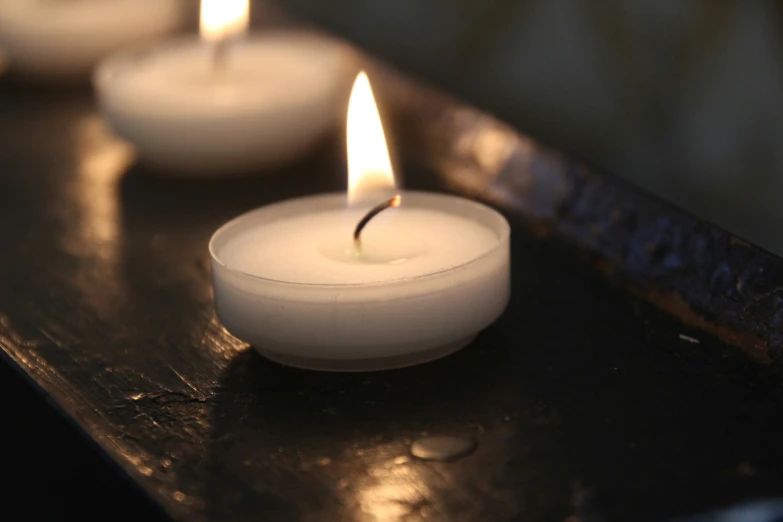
<point x="225" y="103"/>
<point x="65" y="39"/>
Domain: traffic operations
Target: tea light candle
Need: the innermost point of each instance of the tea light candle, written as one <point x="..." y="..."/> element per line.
<point x="433" y="276"/>
<point x="225" y="104"/>
<point x="427" y="273"/>
<point x="60" y="38"/>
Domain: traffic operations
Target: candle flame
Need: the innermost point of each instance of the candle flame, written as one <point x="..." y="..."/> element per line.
<point x="370" y="174"/>
<point x="221" y="19"/>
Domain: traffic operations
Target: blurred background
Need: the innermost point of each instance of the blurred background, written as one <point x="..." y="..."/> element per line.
<point x="684" y="98"/>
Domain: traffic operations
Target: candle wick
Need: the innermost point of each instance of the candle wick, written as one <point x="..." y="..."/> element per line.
<point x="220" y="55"/>
<point x="393" y="202"/>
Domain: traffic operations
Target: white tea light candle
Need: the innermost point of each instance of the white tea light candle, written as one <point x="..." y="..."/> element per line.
<point x="65" y="39"/>
<point x="432" y="277"/>
<point x="225" y="103"/>
<point x="428" y="273"/>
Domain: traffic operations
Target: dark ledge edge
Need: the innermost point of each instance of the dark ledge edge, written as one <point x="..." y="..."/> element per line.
<point x="692" y="269"/>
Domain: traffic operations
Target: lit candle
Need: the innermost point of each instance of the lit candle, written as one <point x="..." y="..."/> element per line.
<point x="225" y="103"/>
<point x="367" y="282"/>
<point x="66" y="38"/>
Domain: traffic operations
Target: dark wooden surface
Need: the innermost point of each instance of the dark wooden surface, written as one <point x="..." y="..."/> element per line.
<point x="584" y="400"/>
<point x="50" y="471"/>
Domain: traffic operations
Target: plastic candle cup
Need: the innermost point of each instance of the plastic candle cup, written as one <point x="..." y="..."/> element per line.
<point x="225" y="103"/>
<point x="65" y="39"/>
<point x="367" y="282"/>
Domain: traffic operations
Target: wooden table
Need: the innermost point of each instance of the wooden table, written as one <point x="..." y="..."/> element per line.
<point x="584" y="399"/>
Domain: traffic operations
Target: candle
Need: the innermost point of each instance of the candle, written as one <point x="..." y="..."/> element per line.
<point x="335" y="283"/>
<point x="66" y="38"/>
<point x="225" y="103"/>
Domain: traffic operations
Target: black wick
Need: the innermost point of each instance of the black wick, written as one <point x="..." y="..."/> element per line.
<point x="393" y="202"/>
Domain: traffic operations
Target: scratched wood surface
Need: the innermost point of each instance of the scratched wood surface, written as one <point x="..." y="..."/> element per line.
<point x="50" y="471"/>
<point x="583" y="400"/>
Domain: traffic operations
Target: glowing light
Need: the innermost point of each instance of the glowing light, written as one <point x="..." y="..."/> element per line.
<point x="369" y="166"/>
<point x="221" y="19"/>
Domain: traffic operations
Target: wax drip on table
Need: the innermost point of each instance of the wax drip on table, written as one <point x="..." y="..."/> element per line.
<point x="443" y="449"/>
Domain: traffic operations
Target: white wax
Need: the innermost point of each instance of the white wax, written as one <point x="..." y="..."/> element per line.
<point x="318" y="248"/>
<point x="432" y="274"/>
<point x="274" y="97"/>
<point x="66" y="38"/>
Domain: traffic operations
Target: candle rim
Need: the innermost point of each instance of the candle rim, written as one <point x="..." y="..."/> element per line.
<point x="501" y="228"/>
<point x="111" y="69"/>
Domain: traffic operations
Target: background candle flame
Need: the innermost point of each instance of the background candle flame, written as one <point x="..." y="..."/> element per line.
<point x="370" y="174"/>
<point x="221" y="19"/>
